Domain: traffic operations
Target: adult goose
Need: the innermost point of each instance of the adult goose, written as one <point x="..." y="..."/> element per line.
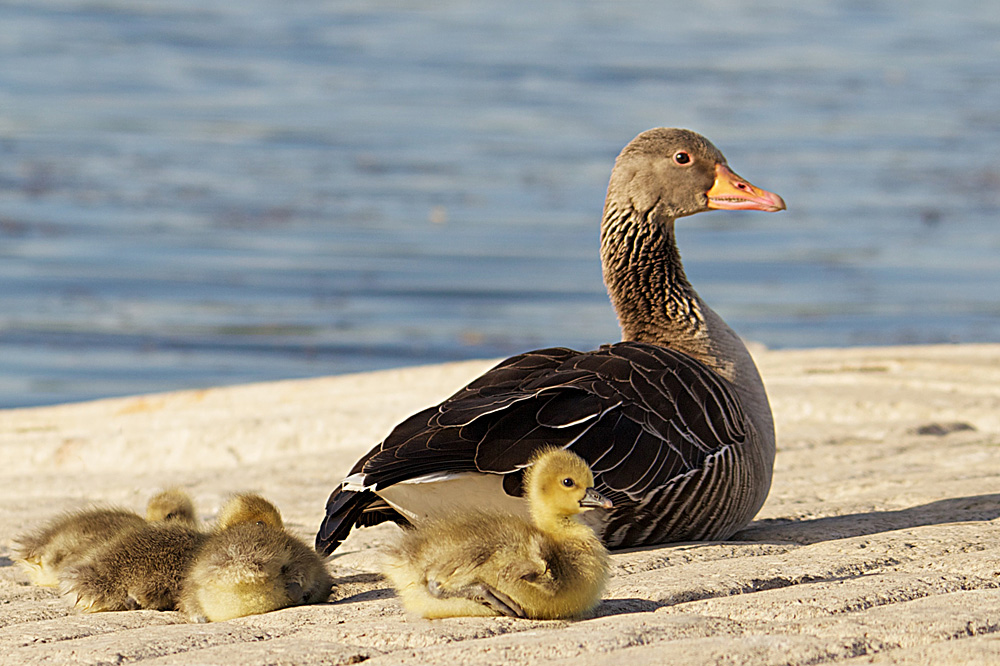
<point x="674" y="420"/>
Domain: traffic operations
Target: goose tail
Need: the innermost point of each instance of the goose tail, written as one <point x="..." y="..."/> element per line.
<point x="343" y="512"/>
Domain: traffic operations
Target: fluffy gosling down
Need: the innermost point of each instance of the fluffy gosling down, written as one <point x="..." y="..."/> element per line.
<point x="248" y="508"/>
<point x="174" y="505"/>
<point x="483" y="563"/>
<point x="251" y="565"/>
<point x="69" y="538"/>
<point x="140" y="569"/>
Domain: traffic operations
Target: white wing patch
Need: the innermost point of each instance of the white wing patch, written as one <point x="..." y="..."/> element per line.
<point x="442" y="494"/>
<point x="356" y="483"/>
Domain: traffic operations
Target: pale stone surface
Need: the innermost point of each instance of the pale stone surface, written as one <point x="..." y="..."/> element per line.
<point x="879" y="543"/>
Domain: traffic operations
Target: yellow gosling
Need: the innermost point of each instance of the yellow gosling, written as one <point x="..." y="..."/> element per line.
<point x="248" y="508"/>
<point x="172" y="504"/>
<point x="482" y="563"/>
<point x="252" y="568"/>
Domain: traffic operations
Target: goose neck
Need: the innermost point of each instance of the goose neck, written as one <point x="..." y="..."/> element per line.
<point x="645" y="278"/>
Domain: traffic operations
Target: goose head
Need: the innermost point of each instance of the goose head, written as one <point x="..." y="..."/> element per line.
<point x="677" y="172"/>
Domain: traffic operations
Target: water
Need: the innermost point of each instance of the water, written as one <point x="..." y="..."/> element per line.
<point x="211" y="192"/>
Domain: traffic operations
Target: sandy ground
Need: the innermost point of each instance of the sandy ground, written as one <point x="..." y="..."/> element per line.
<point x="879" y="542"/>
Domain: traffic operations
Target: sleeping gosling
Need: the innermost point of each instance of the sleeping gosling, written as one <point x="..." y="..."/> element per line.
<point x="141" y="569"/>
<point x="485" y="563"/>
<point x="172" y="504"/>
<point x="68" y="539"/>
<point x="251" y="565"/>
<point x="248" y="508"/>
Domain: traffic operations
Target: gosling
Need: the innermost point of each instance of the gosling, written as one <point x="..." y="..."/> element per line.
<point x="71" y="537"/>
<point x="141" y="569"/>
<point x="488" y="564"/>
<point x="248" y="508"/>
<point x="172" y="504"/>
<point x="251" y="565"/>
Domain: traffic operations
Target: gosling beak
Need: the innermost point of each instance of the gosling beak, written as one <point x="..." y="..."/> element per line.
<point x="731" y="192"/>
<point x="595" y="500"/>
<point x="294" y="591"/>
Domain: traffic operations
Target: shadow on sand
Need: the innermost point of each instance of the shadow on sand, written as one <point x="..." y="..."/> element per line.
<point x="810" y="531"/>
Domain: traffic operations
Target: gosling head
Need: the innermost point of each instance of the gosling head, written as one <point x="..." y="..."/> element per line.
<point x="248" y="508"/>
<point x="171" y="505"/>
<point x="561" y="484"/>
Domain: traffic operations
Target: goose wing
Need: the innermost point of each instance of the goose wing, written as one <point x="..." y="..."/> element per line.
<point x="643" y="416"/>
<point x="638" y="413"/>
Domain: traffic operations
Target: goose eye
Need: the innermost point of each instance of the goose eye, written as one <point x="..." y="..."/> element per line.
<point x="568" y="482"/>
<point x="682" y="157"/>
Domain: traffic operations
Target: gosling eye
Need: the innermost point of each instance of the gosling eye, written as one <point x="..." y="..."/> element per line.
<point x="568" y="482"/>
<point x="682" y="158"/>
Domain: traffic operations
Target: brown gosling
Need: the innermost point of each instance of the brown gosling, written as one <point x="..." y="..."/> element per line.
<point x="63" y="541"/>
<point x="71" y="537"/>
<point x="488" y="563"/>
<point x="251" y="565"/>
<point x="141" y="569"/>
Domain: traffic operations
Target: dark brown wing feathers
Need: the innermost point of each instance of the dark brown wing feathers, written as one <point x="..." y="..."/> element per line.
<point x="642" y="415"/>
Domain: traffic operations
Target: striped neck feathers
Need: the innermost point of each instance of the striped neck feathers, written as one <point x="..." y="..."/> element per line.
<point x="645" y="278"/>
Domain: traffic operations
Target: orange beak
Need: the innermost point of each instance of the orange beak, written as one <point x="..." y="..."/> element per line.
<point x="730" y="192"/>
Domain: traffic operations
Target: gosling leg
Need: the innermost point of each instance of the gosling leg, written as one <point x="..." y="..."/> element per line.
<point x="481" y="593"/>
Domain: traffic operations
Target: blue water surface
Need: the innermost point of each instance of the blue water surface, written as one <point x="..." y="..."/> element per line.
<point x="195" y="193"/>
